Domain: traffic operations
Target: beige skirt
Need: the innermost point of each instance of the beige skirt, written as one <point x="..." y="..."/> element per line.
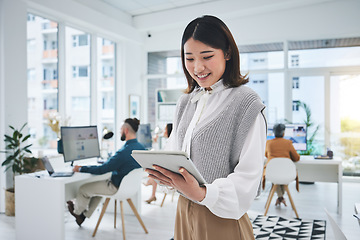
<point x="196" y="222"/>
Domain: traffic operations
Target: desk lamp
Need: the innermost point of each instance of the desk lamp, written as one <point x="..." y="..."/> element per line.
<point x="104" y="146"/>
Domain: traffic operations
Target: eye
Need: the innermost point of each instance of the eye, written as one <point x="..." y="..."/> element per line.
<point x="208" y="57"/>
<point x="189" y="59"/>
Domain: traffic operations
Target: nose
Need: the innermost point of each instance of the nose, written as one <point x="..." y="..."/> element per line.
<point x="198" y="67"/>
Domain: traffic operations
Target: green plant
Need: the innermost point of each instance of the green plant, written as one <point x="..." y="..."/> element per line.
<point x="16" y="154"/>
<point x="311" y="146"/>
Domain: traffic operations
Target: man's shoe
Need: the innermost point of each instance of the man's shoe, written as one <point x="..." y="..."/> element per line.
<point x="79" y="219"/>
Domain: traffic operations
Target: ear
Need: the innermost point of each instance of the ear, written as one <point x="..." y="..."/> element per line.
<point x="228" y="55"/>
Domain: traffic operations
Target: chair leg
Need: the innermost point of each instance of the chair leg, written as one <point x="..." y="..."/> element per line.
<point x="291" y="200"/>
<point x="271" y="194"/>
<point x="162" y="203"/>
<point x="101" y="215"/>
<point x="122" y="219"/>
<point x="115" y="211"/>
<point x="137" y="214"/>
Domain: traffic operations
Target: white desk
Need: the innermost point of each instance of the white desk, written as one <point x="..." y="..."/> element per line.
<point x="40" y="204"/>
<point x="316" y="170"/>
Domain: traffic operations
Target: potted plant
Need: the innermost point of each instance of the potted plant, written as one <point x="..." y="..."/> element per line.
<point x="311" y="147"/>
<point x="19" y="161"/>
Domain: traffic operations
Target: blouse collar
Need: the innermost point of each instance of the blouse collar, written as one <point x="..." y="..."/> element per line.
<point x="216" y="87"/>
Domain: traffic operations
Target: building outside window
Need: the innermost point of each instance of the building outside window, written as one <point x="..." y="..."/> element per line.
<point x="77" y="65"/>
<point x="106" y="93"/>
<point x="42" y="35"/>
<point x="295" y="83"/>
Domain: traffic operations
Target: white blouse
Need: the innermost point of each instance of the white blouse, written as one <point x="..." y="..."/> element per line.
<point x="232" y="196"/>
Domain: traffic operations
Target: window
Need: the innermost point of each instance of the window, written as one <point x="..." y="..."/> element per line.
<point x="31" y="45"/>
<point x="31" y="74"/>
<point x="80" y="40"/>
<point x="83" y="71"/>
<point x="294" y="60"/>
<point x="30" y="17"/>
<point x="295" y="106"/>
<point x="77" y="63"/>
<point x="295" y="83"/>
<point x="42" y="80"/>
<point x="325" y="57"/>
<point x="106" y="92"/>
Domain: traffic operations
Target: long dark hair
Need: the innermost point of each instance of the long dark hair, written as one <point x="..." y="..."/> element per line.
<point x="212" y="31"/>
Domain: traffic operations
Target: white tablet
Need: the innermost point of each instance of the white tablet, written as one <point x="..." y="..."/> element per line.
<point x="171" y="160"/>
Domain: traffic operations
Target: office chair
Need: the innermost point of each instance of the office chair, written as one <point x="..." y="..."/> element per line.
<point x="129" y="186"/>
<point x="172" y="191"/>
<point x="338" y="233"/>
<point x="280" y="171"/>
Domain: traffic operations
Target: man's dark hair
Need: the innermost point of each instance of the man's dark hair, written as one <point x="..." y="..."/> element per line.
<point x="133" y="122"/>
<point x="279" y="130"/>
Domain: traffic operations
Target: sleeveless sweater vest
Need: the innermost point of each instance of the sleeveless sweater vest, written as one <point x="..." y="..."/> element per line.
<point x="217" y="141"/>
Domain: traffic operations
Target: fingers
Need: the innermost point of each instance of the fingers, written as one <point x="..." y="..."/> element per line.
<point x="155" y="174"/>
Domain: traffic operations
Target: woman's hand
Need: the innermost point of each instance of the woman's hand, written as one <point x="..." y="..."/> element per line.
<point x="183" y="182"/>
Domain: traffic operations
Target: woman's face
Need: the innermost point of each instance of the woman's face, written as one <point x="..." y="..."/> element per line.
<point x="206" y="65"/>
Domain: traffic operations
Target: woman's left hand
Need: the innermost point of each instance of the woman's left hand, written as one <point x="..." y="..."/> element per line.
<point x="184" y="182"/>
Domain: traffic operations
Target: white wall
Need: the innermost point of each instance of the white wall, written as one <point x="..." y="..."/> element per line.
<point x="13" y="76"/>
<point x="325" y="19"/>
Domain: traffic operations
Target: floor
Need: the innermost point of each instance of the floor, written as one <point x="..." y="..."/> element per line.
<point x="310" y="203"/>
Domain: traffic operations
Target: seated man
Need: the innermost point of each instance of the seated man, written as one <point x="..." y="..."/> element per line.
<point x="120" y="164"/>
<point x="279" y="147"/>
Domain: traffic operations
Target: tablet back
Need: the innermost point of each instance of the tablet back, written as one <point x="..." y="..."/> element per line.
<point x="171" y="160"/>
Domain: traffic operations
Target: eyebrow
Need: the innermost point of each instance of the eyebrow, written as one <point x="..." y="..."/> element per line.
<point x="201" y="52"/>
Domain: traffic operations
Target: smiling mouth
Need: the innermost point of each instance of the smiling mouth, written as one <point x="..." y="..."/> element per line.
<point x="203" y="76"/>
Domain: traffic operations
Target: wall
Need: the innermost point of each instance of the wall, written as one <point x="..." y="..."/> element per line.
<point x="327" y="19"/>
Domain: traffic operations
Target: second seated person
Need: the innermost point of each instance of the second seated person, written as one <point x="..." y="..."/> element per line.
<point x="279" y="147"/>
<point x="120" y="164"/>
<point x="219" y="123"/>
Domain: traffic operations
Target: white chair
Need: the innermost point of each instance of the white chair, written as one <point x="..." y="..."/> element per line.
<point x="129" y="186"/>
<point x="165" y="194"/>
<point x="280" y="171"/>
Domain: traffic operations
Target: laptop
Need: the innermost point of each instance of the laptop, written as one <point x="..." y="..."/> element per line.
<point x="51" y="171"/>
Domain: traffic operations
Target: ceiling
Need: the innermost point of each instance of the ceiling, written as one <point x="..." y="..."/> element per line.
<point x="150" y="13"/>
<point x="140" y="7"/>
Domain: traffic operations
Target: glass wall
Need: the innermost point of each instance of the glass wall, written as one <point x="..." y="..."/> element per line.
<point x="73" y="99"/>
<point x="42" y="64"/>
<point x="306" y="75"/>
<point x="345" y="120"/>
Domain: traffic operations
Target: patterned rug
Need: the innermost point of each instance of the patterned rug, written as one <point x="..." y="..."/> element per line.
<point x="274" y="227"/>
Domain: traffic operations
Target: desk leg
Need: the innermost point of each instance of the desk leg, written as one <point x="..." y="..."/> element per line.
<point x="39" y="209"/>
<point x="340" y="172"/>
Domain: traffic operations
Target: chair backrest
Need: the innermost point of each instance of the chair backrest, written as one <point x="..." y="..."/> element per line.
<point x="338" y="234"/>
<point x="281" y="171"/>
<point x="129" y="185"/>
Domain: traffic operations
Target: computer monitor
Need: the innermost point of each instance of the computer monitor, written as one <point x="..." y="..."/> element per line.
<point x="295" y="132"/>
<point x="143" y="135"/>
<point x="80" y="143"/>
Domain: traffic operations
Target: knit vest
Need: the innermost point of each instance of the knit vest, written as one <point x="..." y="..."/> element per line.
<point x="217" y="141"/>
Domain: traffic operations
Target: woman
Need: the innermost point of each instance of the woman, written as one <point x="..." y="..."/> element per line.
<point x="219" y="123"/>
<point x="167" y="131"/>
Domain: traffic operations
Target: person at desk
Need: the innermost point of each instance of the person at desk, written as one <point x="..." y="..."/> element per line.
<point x="167" y="131"/>
<point x="279" y="147"/>
<point x="120" y="164"/>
